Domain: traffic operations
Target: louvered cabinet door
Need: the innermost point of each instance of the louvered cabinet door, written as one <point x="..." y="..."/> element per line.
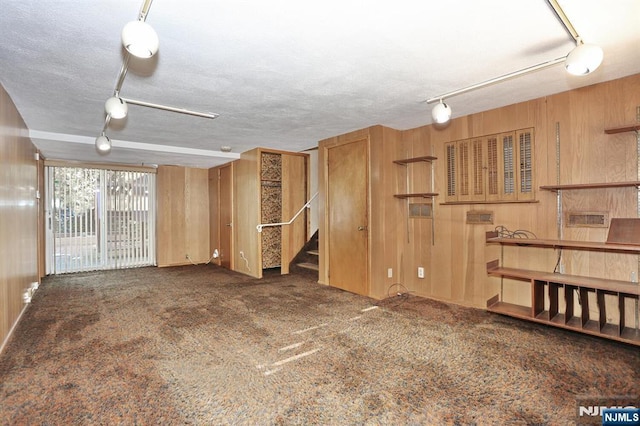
<point x="525" y="188"/>
<point x="493" y="186"/>
<point x="494" y="168"/>
<point x="506" y="164"/>
<point x="478" y="170"/>
<point x="451" y="196"/>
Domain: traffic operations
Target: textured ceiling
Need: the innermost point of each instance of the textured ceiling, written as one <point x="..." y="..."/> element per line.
<point x="285" y="73"/>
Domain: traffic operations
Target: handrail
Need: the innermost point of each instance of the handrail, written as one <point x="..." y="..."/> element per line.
<point x="306" y="206"/>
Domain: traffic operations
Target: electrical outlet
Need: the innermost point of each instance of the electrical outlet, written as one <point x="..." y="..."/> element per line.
<point x="634" y="277"/>
<point x="390" y="273"/>
<point x="420" y="272"/>
<point x="186" y="256"/>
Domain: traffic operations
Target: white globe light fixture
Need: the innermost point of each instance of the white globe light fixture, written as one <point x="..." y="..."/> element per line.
<point x="103" y="144"/>
<point x="441" y="113"/>
<point x="584" y="59"/>
<point x="116" y="107"/>
<point x="140" y="39"/>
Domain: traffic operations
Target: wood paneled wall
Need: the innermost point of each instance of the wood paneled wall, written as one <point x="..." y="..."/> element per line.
<point x="576" y="119"/>
<point x="183" y="215"/>
<point x="18" y="214"/>
<point x="570" y="146"/>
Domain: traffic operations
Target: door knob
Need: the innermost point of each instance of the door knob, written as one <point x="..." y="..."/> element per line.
<point x="362" y="228"/>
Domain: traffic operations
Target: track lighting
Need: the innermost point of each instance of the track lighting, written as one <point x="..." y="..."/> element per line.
<point x="103" y="144"/>
<point x="584" y="59"/>
<point x="116" y="107"/>
<point x="441" y="113"/>
<point x="140" y="39"/>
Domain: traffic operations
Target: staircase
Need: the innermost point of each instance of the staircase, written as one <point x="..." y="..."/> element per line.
<point x="306" y="261"/>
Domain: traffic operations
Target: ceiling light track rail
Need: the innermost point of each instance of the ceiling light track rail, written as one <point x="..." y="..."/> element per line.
<point x="171" y="109"/>
<point x="495" y="80"/>
<point x="564" y="20"/>
<point x="582" y="60"/>
<point x="140" y="40"/>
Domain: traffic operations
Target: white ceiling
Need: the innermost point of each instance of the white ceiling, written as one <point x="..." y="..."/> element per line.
<point x="285" y="73"/>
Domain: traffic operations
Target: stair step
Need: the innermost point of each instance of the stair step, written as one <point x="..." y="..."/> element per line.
<point x="308" y="265"/>
<point x="313" y="252"/>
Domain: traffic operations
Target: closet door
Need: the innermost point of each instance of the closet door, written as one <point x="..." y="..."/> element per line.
<point x="347" y="200"/>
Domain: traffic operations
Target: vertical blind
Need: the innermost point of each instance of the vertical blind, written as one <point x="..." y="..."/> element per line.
<point x="99" y="219"/>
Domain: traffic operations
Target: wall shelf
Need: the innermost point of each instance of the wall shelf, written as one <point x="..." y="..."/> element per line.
<point x="425" y="158"/>
<point x="624" y="129"/>
<point x="556" y="188"/>
<point x="417" y="195"/>
<point x="575" y="245"/>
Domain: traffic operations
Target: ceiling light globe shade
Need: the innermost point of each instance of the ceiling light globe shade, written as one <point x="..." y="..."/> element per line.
<point x="584" y="59"/>
<point x="140" y="39"/>
<point x="441" y="113"/>
<point x="116" y="107"/>
<point x="103" y="144"/>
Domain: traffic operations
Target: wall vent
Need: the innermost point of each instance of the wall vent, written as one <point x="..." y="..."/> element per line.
<point x="480" y="217"/>
<point x="421" y="210"/>
<point x="588" y="219"/>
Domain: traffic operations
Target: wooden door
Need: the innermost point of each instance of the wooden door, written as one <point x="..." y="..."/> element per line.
<point x="347" y="200"/>
<point x="226" y="216"/>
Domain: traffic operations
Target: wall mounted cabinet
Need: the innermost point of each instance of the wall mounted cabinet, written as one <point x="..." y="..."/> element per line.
<point x="489" y="169"/>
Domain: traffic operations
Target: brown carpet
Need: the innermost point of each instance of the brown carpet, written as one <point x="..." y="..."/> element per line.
<point x="202" y="345"/>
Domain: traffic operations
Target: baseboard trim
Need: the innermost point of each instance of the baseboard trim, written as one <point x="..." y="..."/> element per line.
<point x="13" y="327"/>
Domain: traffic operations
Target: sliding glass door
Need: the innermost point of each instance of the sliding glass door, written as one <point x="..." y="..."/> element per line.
<point x="99" y="219"/>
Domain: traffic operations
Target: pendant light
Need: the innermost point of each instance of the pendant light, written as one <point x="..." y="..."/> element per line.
<point x="584" y="59"/>
<point x="116" y="107"/>
<point x="140" y="39"/>
<point x="103" y="144"/>
<point x="441" y="113"/>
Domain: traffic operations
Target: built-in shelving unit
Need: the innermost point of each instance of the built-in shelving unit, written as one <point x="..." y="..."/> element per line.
<point x="562" y="300"/>
<point x="554" y="296"/>
<point x="410" y="193"/>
